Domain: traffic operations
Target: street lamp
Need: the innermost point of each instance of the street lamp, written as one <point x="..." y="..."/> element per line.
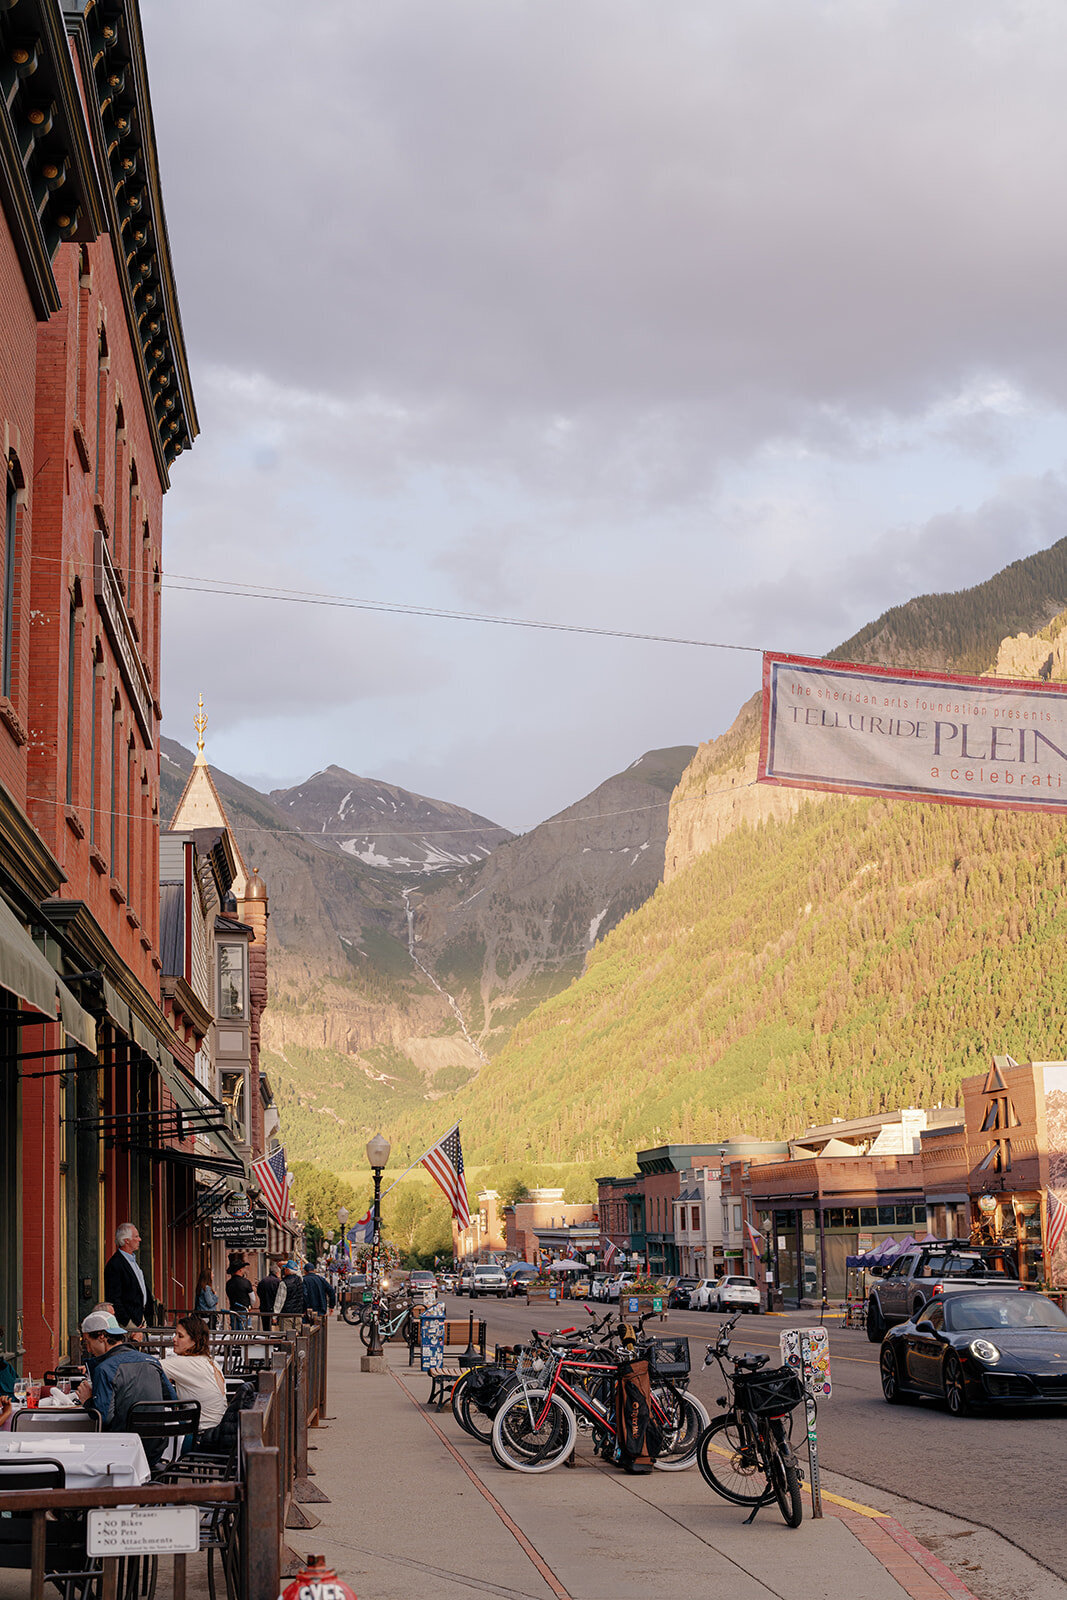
<point x="377" y="1155"/>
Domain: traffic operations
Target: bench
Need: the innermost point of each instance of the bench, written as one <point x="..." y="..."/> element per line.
<point x="457" y="1336"/>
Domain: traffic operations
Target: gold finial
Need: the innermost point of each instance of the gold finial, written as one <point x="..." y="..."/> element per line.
<point x="200" y="723"/>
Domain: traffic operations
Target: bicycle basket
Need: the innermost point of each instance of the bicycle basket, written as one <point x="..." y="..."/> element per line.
<point x="773" y="1390"/>
<point x="669" y="1358"/>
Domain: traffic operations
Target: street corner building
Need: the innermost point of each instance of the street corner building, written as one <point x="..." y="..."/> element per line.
<point x="106" y="1111"/>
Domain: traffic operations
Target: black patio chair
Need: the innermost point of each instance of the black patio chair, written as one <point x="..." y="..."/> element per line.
<point x="58" y="1421"/>
<point x="67" y="1565"/>
<point x="158" y="1421"/>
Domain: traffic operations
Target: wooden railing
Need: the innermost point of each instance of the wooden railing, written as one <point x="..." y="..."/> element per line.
<point x="273" y="1486"/>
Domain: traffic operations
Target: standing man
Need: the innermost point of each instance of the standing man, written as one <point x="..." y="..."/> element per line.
<point x="124" y="1283"/>
<point x="318" y="1293"/>
<point x="240" y="1294"/>
<point x="267" y="1290"/>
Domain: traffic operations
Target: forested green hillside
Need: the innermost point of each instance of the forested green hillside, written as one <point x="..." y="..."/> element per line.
<point x="865" y="954"/>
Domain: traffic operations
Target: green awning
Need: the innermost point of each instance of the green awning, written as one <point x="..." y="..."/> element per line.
<point x="25" y="973"/>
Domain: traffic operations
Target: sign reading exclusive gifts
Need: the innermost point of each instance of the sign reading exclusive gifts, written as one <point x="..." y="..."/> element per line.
<point x="913" y="735"/>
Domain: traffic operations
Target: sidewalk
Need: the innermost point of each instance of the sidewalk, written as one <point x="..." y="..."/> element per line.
<point x="415" y="1504"/>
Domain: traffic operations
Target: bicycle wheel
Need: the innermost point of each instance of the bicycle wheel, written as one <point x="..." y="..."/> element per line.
<point x="477" y="1416"/>
<point x="518" y="1444"/>
<point x="785" y="1480"/>
<point x="456" y="1397"/>
<point x="352" y="1311"/>
<point x="683" y="1423"/>
<point x="729" y="1463"/>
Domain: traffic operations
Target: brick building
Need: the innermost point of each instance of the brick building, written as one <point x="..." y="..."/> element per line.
<point x="98" y="1105"/>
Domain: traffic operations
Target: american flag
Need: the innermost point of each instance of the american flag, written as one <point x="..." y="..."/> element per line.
<point x="608" y="1248"/>
<point x="1057" y="1220"/>
<point x="272" y="1175"/>
<point x="444" y="1163"/>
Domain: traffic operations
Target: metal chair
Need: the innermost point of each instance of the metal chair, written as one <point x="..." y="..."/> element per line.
<point x="58" y="1421"/>
<point x="162" y="1420"/>
<point x="67" y="1565"/>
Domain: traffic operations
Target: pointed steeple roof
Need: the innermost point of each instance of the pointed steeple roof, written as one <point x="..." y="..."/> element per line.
<point x="201" y="806"/>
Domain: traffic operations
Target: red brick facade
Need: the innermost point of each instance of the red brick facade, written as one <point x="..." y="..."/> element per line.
<point x="95" y="405"/>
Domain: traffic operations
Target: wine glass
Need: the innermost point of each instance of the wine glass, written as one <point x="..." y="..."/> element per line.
<point x="19" y="1391"/>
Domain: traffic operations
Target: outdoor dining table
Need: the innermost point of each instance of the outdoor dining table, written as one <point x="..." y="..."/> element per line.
<point x="89" y="1460"/>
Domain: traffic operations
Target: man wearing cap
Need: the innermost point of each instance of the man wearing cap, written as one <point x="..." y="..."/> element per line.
<point x="124" y="1282"/>
<point x="121" y="1375"/>
<point x="267" y="1290"/>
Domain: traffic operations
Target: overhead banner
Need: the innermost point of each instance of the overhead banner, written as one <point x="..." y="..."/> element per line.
<point x="853" y="729"/>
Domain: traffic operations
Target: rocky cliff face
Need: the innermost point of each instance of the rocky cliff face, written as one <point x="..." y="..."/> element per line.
<point x="518" y="927"/>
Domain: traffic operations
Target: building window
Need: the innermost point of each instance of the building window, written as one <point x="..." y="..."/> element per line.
<point x="116" y="715"/>
<point x="234" y="1095"/>
<point x="696" y="1219"/>
<point x="101" y="373"/>
<point x="8" y="619"/>
<point x="737" y="1219"/>
<point x="72" y="685"/>
<point x="232" y="986"/>
<point x="94" y="744"/>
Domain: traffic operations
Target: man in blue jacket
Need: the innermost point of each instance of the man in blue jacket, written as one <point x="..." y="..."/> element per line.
<point x="318" y="1292"/>
<point x="121" y="1375"/>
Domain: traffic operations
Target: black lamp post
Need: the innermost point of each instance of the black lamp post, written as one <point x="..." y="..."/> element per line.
<point x="377" y="1155"/>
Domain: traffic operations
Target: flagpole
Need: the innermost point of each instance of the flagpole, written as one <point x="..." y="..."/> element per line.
<point x="414" y="1164"/>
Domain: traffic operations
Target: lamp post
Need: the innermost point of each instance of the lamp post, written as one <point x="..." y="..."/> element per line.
<point x="329" y="1242"/>
<point x="342" y="1217"/>
<point x="377" y="1156"/>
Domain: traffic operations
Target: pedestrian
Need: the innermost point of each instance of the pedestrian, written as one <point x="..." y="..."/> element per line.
<point x="240" y="1295"/>
<point x="193" y="1373"/>
<point x="267" y="1289"/>
<point x="290" y="1300"/>
<point x="207" y="1301"/>
<point x="124" y="1282"/>
<point x="122" y="1375"/>
<point x="319" y="1297"/>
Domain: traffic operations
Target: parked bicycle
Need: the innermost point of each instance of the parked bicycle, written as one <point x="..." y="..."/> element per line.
<point x="394" y="1321"/>
<point x="560" y="1390"/>
<point x="746" y="1455"/>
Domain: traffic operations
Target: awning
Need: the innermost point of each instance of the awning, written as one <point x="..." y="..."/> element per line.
<point x="26" y="973"/>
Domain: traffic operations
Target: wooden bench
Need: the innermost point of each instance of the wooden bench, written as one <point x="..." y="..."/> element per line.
<point x="457" y="1336"/>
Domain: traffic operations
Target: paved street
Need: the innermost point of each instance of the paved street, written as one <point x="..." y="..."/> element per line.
<point x="1002" y="1472"/>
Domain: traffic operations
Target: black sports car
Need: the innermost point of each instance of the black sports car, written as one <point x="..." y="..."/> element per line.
<point x="979" y="1347"/>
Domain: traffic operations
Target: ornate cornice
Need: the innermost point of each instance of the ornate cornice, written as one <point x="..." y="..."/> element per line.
<point x="107" y="37"/>
<point x="48" y="180"/>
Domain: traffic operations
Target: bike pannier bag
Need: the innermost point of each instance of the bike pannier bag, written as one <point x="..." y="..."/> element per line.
<point x="769" y="1392"/>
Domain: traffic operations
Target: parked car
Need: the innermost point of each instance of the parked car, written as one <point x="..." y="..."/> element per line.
<point x="732" y="1292"/>
<point x="484" y="1279"/>
<point x="615" y="1287"/>
<point x="983" y="1347"/>
<point x="519" y="1276"/>
<point x="596" y="1287"/>
<point x="422" y="1286"/>
<point x="678" y="1297"/>
<point x="446" y="1282"/>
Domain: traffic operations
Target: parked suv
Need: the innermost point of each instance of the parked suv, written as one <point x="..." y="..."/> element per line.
<point x="485" y="1279"/>
<point x="729" y="1293"/>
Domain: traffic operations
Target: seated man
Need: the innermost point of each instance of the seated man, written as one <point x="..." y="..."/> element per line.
<point x="121" y="1375"/>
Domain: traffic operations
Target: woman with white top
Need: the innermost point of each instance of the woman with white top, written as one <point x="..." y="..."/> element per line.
<point x="193" y="1373"/>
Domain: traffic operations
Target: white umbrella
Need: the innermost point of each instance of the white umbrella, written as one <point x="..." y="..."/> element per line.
<point x="566" y="1266"/>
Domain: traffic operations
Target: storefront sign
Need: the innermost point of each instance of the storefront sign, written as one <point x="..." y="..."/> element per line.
<point x="245" y="1233"/>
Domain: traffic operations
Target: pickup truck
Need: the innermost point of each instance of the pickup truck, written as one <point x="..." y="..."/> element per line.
<point x="920" y="1275"/>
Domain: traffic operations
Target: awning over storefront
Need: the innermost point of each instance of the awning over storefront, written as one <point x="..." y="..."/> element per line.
<point x="26" y="973"/>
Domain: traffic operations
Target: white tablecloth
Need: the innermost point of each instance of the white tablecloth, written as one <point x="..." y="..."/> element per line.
<point x="90" y="1460"/>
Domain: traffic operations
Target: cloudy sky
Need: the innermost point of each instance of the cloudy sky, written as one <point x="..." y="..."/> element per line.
<point x="730" y="320"/>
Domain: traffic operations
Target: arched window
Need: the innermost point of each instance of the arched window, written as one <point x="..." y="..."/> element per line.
<point x="102" y="364"/>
